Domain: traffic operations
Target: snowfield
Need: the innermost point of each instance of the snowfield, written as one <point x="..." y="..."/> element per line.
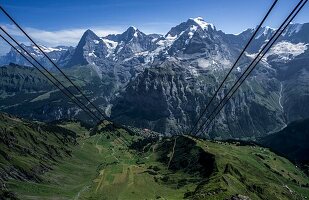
<point x="287" y="50"/>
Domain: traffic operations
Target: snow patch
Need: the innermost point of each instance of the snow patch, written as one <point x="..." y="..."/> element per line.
<point x="190" y="34"/>
<point x="192" y="31"/>
<point x="118" y="51"/>
<point x="170" y="37"/>
<point x="251" y="55"/>
<point x="91" y="54"/>
<point x="167" y="41"/>
<point x="287" y="50"/>
<point x="203" y="63"/>
<point x="111" y="46"/>
<point x="154" y="39"/>
<point x="48" y="49"/>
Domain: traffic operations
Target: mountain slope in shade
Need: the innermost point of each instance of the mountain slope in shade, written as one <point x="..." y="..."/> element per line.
<point x="292" y="142"/>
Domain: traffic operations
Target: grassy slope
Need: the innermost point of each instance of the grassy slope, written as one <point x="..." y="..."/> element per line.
<point x="99" y="169"/>
<point x="28" y="149"/>
<point x="253" y="171"/>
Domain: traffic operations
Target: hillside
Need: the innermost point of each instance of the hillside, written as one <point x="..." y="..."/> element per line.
<point x="26" y="93"/>
<point x="291" y="142"/>
<point x="132" y="166"/>
<point x="29" y="149"/>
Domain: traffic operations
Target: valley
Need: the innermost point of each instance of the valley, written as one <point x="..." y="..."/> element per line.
<point x="101" y="166"/>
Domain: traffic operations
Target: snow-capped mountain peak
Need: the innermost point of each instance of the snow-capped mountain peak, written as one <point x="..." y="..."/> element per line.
<point x="265" y="32"/>
<point x="131" y="32"/>
<point x="189" y="40"/>
<point x="201" y="23"/>
<point x="89" y="34"/>
<point x="191" y="25"/>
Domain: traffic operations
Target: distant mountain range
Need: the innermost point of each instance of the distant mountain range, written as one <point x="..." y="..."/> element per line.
<point x="194" y="36"/>
<point x="54" y="52"/>
<point x="162" y="82"/>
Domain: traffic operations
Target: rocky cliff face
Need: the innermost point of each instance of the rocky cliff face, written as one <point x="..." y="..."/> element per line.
<point x="169" y="98"/>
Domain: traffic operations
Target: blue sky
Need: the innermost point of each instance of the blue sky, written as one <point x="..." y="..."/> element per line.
<point x="54" y="22"/>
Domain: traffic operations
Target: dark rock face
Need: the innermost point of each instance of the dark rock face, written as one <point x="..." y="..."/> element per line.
<point x="172" y="98"/>
<point x="85" y="49"/>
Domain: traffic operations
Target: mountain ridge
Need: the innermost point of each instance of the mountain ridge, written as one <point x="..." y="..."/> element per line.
<point x="118" y="38"/>
<point x="180" y="71"/>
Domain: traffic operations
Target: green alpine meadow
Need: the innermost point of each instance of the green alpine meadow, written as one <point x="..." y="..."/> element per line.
<point x="68" y="161"/>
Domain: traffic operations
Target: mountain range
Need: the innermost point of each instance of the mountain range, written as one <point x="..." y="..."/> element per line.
<point x="163" y="82"/>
